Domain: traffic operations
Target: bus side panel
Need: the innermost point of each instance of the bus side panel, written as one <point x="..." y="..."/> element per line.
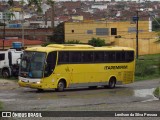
<point x="62" y="72"/>
<point x="123" y="72"/>
<point x="128" y="76"/>
<point x="84" y="74"/>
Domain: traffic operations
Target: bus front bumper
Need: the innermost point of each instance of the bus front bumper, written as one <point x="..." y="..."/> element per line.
<point x="36" y="85"/>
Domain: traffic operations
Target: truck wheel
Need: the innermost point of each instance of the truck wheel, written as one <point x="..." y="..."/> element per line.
<point x="5" y="73"/>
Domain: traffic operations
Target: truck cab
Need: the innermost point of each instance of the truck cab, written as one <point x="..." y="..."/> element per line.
<point x="9" y="62"/>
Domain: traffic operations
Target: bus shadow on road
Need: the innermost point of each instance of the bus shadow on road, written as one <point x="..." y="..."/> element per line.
<point x="78" y="89"/>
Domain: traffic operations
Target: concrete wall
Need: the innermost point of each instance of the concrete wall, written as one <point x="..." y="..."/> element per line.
<point x="146" y="39"/>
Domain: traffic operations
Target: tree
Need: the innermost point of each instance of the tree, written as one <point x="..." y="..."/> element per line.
<point x="156" y="92"/>
<point x="158" y="37"/>
<point x="35" y="3"/>
<point x="156" y="25"/>
<point x="58" y="36"/>
<point x="73" y="42"/>
<point x="51" y="3"/>
<point x="97" y="42"/>
<point x="1" y="24"/>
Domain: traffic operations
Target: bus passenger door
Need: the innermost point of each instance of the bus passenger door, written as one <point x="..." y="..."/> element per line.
<point x="50" y="67"/>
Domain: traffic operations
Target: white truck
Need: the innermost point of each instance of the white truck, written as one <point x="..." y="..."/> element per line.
<point x="9" y="62"/>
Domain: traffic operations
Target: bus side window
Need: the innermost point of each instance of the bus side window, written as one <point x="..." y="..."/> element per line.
<point x="99" y="56"/>
<point x="87" y="57"/>
<point x="129" y="56"/>
<point x="120" y="56"/>
<point x="51" y="63"/>
<point x="75" y="57"/>
<point x="110" y="56"/>
<point x="63" y="57"/>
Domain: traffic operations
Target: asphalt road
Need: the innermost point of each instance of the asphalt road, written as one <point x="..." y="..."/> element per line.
<point x="137" y="96"/>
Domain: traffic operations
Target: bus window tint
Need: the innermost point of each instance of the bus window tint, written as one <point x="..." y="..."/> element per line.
<point x="120" y="56"/>
<point x="75" y="56"/>
<point x="98" y="56"/>
<point x="63" y="57"/>
<point x="110" y="56"/>
<point x="129" y="56"/>
<point x="82" y="57"/>
<point x="87" y="57"/>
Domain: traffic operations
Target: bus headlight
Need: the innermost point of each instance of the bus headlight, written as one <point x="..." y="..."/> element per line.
<point x="38" y="82"/>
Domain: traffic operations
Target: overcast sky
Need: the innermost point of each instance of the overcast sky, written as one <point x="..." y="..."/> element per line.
<point x="93" y="0"/>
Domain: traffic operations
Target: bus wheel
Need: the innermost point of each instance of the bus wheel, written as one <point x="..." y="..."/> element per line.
<point x="5" y="73"/>
<point x="61" y="86"/>
<point x="112" y="83"/>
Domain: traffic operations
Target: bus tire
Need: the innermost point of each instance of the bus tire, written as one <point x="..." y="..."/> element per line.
<point x="5" y="73"/>
<point x="112" y="83"/>
<point x="61" y="85"/>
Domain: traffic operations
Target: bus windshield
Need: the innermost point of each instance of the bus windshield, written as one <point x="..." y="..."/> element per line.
<point x="32" y="64"/>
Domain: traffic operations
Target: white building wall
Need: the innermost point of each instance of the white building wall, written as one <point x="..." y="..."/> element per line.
<point x="99" y="6"/>
<point x="16" y="16"/>
<point x="150" y="24"/>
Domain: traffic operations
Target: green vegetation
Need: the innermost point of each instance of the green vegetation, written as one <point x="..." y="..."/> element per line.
<point x="1" y="106"/>
<point x="47" y="43"/>
<point x="156" y="92"/>
<point x="96" y="42"/>
<point x="2" y="24"/>
<point x="158" y="39"/>
<point x="155" y="25"/>
<point x="58" y="36"/>
<point x="147" y="67"/>
<point x="73" y="42"/>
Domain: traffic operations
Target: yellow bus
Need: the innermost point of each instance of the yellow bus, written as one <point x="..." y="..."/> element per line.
<point x="59" y="66"/>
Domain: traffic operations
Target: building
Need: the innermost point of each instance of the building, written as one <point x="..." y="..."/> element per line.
<point x="114" y="33"/>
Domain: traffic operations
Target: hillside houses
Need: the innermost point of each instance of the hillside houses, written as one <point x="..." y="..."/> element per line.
<point x="88" y="10"/>
<point x="84" y="20"/>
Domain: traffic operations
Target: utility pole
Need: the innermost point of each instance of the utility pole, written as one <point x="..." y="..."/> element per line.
<point x="137" y="34"/>
<point x="53" y="15"/>
<point x="4" y="31"/>
<point x="22" y="21"/>
<point x="22" y="28"/>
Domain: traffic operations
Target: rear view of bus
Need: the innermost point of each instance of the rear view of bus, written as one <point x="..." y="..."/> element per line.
<point x="63" y="66"/>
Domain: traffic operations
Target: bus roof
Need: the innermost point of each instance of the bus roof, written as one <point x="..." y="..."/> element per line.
<point x="71" y="46"/>
<point x="59" y="47"/>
